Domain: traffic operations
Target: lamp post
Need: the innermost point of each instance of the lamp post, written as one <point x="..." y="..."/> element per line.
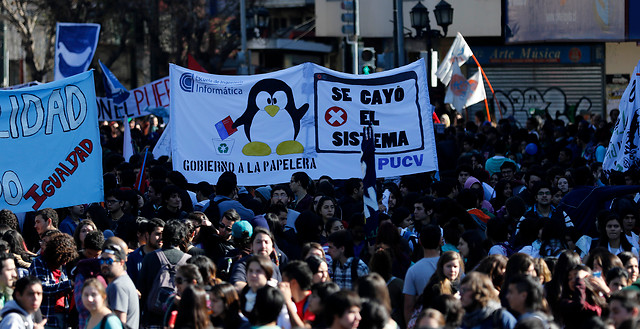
<point x="420" y="20"/>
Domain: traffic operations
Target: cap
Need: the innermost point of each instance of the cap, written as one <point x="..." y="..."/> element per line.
<point x="240" y="227"/>
<point x="114" y="249"/>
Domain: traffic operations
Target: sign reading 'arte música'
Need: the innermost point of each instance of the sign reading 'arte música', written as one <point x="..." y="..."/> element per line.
<point x="51" y="154"/>
<point x="305" y="118"/>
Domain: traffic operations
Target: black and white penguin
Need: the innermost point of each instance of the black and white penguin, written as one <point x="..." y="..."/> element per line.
<point x="265" y="123"/>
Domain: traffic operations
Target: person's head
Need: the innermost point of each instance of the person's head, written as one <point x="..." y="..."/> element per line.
<point x="431" y="237"/>
<point x="259" y="271"/>
<point x="113" y="258"/>
<point x="630" y="263"/>
<point x="319" y="294"/>
<point x="93" y="243"/>
<point x="463" y="172"/>
<point x="192" y="309"/>
<point x="227" y="220"/>
<point x="623" y="305"/>
<point x="28" y="293"/>
<point x="269" y="302"/>
<point x="206" y="267"/>
<point x="340" y="245"/>
<point x="451" y="308"/>
<point x="312" y="248"/>
<point x="402" y="217"/>
<point x="610" y="227"/>
<point x="59" y="250"/>
<point x="342" y="309"/>
<point x="187" y="275"/>
<point x="227" y="184"/>
<point x="94" y="295"/>
<point x="224" y="300"/>
<point x="151" y="230"/>
<point x="542" y="192"/>
<point x="8" y="272"/>
<point x="373" y="314"/>
<point x="299" y="182"/>
<point x="171" y="197"/>
<point x="476" y="290"/>
<point x="319" y="268"/>
<point x="326" y="207"/>
<point x="7" y="217"/>
<point x="298" y="274"/>
<point x="353" y="187"/>
<point x="450" y="266"/>
<point x="281" y="194"/>
<point x="471" y="246"/>
<point x="114" y="200"/>
<point x="430" y="319"/>
<point x="372" y="286"/>
<point x="333" y="225"/>
<point x="422" y="209"/>
<point x="83" y="228"/>
<point x="46" y="219"/>
<point x="262" y="242"/>
<point x="494" y="266"/>
<point x="174" y="233"/>
<point x="525" y="294"/>
<point x="617" y="278"/>
<point x="154" y="194"/>
<point x="508" y="170"/>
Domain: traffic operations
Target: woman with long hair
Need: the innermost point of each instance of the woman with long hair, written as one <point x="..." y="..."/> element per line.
<point x="225" y="307"/>
<point x="494" y="266"/>
<point x="519" y="263"/>
<point x="192" y="310"/>
<point x="471" y="246"/>
<point x="503" y="191"/>
<point x="374" y="287"/>
<point x="326" y="208"/>
<point x="630" y="262"/>
<point x="94" y="298"/>
<point x="19" y="250"/>
<point x="612" y="237"/>
<point x="84" y="227"/>
<point x="553" y="289"/>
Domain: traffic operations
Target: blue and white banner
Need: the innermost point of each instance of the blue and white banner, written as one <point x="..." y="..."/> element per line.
<point x="304" y="118"/>
<point x="75" y="45"/>
<point x="622" y="153"/>
<point x="51" y="154"/>
<point x="151" y="98"/>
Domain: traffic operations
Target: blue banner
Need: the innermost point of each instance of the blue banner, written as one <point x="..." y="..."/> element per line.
<point x="51" y="154"/>
<point x="539" y="54"/>
<point x="75" y="45"/>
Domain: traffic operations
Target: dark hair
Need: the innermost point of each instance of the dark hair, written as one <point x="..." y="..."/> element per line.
<point x="227" y="183"/>
<point x="192" y="309"/>
<point x="60" y="250"/>
<point x="339" y="303"/>
<point x="49" y="213"/>
<point x="374" y="314"/>
<point x="205" y="188"/>
<point x="168" y="191"/>
<point x="628" y="299"/>
<point x="264" y="262"/>
<point x="94" y="240"/>
<point x="491" y="266"/>
<point x="615" y="273"/>
<point x="430" y="237"/>
<point x="373" y="286"/>
<point x="16" y="244"/>
<point x="299" y="271"/>
<point x="190" y="273"/>
<point x="7" y="217"/>
<point x="206" y="267"/>
<point x="533" y="288"/>
<point x="269" y="302"/>
<point x="399" y="214"/>
<point x="150" y="225"/>
<point x="475" y="240"/>
<point x="282" y="187"/>
<point x="99" y="217"/>
<point x="342" y="239"/>
<point x="302" y="178"/>
<point x="518" y="263"/>
<point x="23" y="283"/>
<point x="174" y="234"/>
<point x="81" y="225"/>
<point x="229" y="296"/>
<point x="4" y="256"/>
<point x="351" y="184"/>
<point x="451" y="309"/>
<point x="314" y="263"/>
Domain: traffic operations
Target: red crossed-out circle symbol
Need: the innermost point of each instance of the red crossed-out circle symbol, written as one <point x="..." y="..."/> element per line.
<point x="335" y="116"/>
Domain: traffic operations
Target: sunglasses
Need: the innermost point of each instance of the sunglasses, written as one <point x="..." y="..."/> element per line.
<point x="108" y="261"/>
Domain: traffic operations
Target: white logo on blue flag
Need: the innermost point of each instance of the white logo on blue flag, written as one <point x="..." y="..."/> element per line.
<point x="112" y="86"/>
<point x="75" y="45"/>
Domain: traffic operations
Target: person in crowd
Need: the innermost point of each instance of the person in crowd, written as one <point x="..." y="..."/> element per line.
<point x="49" y="267"/>
<point x="610" y="227"/>
<point x="296" y="283"/>
<point x="420" y="273"/>
<point x="373" y="287"/>
<point x="262" y="243"/>
<point x="8" y="277"/>
<point x="226" y="198"/>
<point x="525" y="297"/>
<point x="18" y="249"/>
<point x="94" y="298"/>
<point x="300" y="185"/>
<point x="69" y="223"/>
<point x="342" y="309"/>
<point x="265" y="313"/>
<point x="46" y="220"/>
<point x="122" y="296"/>
<point x="27" y="297"/>
<point x="319" y="268"/>
<point x="192" y="310"/>
<point x="151" y="233"/>
<point x="225" y="307"/>
<point x="481" y="304"/>
<point x="471" y="246"/>
<point x="171" y="204"/>
<point x="630" y="262"/>
<point x="617" y="279"/>
<point x="345" y="268"/>
<point x="81" y="231"/>
<point x="352" y="202"/>
<point x="623" y="306"/>
<point x="207" y="269"/>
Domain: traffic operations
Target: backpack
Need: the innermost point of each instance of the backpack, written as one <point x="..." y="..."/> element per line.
<point x="164" y="286"/>
<point x="213" y="211"/>
<point x="103" y="322"/>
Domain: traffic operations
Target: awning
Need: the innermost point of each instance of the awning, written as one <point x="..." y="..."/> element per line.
<point x="288" y="44"/>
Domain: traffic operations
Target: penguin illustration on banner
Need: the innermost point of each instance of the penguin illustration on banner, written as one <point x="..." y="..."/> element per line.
<point x="271" y="119"/>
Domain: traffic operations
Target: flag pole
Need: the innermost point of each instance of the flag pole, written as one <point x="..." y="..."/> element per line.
<point x="490" y="88"/>
<point x="144" y="162"/>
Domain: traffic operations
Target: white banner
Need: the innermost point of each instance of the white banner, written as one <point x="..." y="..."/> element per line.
<point x="304" y="118"/>
<point x="622" y="153"/>
<point x="139" y="103"/>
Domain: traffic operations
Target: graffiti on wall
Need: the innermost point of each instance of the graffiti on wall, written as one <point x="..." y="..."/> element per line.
<point x="532" y="101"/>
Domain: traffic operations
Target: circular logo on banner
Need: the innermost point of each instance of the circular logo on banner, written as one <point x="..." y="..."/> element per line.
<point x="575" y="55"/>
<point x="459" y="85"/>
<point x="335" y="116"/>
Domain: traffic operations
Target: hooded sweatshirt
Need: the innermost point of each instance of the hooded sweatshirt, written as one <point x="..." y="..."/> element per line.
<point x="19" y="319"/>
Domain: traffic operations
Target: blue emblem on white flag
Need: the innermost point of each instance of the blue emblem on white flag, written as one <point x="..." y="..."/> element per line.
<point x="112" y="86"/>
<point x="75" y="45"/>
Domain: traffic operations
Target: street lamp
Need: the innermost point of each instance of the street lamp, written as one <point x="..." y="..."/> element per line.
<point x="420" y="20"/>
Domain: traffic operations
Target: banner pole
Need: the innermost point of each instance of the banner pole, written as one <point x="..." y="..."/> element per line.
<point x="490" y="87"/>
<point x="144" y="162"/>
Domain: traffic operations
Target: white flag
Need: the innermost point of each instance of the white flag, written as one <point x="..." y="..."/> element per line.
<point x="127" y="146"/>
<point x="476" y="91"/>
<point x="459" y="52"/>
<point x="457" y="90"/>
<point x="622" y="153"/>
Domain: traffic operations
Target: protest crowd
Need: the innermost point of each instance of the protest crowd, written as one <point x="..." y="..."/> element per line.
<point x="520" y="228"/>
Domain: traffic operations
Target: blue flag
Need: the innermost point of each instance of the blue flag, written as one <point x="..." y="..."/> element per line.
<point x="367" y="162"/>
<point x="75" y="46"/>
<point x="112" y="86"/>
